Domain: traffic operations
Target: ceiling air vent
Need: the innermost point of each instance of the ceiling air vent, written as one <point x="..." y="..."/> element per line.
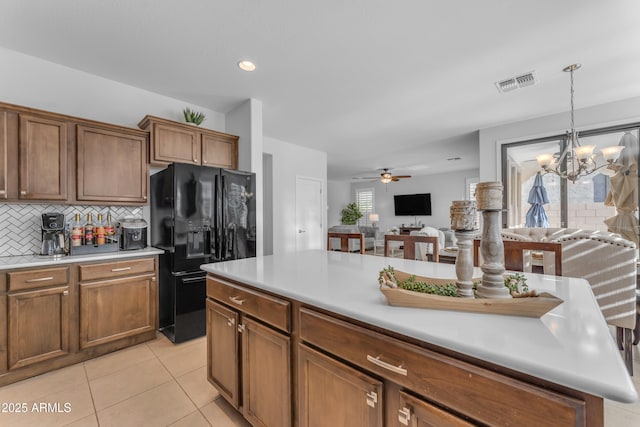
<point x="524" y="80"/>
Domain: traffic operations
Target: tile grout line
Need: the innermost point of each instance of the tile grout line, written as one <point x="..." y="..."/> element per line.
<point x="133" y="395"/>
<point x="86" y="376"/>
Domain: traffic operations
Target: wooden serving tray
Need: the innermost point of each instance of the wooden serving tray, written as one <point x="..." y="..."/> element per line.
<point x="526" y="307"/>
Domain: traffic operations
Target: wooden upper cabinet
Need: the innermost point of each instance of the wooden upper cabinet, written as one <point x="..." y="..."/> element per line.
<point x="112" y="165"/>
<point x="171" y="144"/>
<point x="4" y="154"/>
<point x="183" y="143"/>
<point x="220" y="150"/>
<point x="43" y="158"/>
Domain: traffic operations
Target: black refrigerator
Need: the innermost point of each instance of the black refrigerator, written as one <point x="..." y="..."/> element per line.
<point x="199" y="215"/>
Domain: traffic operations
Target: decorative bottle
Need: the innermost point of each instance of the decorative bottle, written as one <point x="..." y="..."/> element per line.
<point x="88" y="231"/>
<point x="100" y="231"/>
<point x="109" y="230"/>
<point x="77" y="232"/>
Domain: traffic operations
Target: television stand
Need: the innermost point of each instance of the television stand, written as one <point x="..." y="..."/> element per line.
<point x="409" y="229"/>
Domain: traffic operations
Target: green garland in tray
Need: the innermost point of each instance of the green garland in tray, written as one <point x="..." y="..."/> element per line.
<point x="448" y="289"/>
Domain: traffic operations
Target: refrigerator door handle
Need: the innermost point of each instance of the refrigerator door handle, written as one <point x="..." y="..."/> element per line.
<point x="223" y="227"/>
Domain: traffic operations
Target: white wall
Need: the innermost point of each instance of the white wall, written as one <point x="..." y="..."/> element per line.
<point x="246" y="122"/>
<point x="290" y="161"/>
<point x="33" y="82"/>
<point x="339" y="195"/>
<point x="491" y="139"/>
<point x="444" y="188"/>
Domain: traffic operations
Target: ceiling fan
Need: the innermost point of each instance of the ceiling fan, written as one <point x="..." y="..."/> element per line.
<point x="386" y="177"/>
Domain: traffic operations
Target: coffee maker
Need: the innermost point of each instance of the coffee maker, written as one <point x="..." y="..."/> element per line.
<point x="52" y="234"/>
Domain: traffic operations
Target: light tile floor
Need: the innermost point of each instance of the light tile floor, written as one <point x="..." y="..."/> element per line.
<point x="159" y="383"/>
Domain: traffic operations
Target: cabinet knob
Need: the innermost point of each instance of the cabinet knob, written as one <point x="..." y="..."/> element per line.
<point x="372" y="398"/>
<point x="240" y="327"/>
<point x="23" y="192"/>
<point x="195" y="159"/>
<point x="65" y="293"/>
<point x="230" y="321"/>
<point x="204" y="161"/>
<point x="404" y="416"/>
<point x="2" y="192"/>
<point x="144" y="197"/>
<point x="153" y="279"/>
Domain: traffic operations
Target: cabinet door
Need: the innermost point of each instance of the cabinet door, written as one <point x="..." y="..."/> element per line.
<point x="418" y="413"/>
<point x="220" y="151"/>
<point x="4" y="153"/>
<point x="223" y="349"/>
<point x="43" y="158"/>
<point x="332" y="394"/>
<point x="266" y="377"/>
<point x="112" y="166"/>
<point x="172" y="144"/>
<point x="115" y="309"/>
<point x="38" y="325"/>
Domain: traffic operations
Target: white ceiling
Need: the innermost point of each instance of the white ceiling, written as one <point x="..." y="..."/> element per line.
<point x="374" y="83"/>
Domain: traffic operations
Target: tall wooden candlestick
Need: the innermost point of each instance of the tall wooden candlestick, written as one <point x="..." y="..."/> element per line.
<point x="489" y="197"/>
<point x="464" y="263"/>
<point x="463" y="221"/>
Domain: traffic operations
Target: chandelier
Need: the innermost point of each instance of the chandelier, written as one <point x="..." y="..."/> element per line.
<point x="576" y="160"/>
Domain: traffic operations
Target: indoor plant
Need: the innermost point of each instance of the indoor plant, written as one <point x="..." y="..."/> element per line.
<point x="351" y="214"/>
<point x="194" y="117"/>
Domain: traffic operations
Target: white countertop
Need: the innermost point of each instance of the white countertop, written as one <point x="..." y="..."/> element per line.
<point x="571" y="345"/>
<point x="24" y="261"/>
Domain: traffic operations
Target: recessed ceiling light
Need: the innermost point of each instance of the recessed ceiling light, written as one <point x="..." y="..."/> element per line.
<point x="247" y="65"/>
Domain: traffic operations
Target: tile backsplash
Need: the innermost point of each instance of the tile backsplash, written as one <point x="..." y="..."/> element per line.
<point x="20" y="224"/>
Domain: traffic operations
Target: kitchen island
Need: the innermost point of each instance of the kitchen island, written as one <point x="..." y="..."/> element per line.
<point x="324" y="314"/>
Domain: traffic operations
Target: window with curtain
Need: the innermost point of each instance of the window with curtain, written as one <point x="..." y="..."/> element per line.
<point x="365" y="202"/>
<point x="575" y="205"/>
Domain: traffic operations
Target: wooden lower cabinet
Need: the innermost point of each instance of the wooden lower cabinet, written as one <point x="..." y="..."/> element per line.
<point x="38" y="325"/>
<point x="249" y="364"/>
<point x="416" y="412"/>
<point x="64" y="314"/>
<point x="223" y="351"/>
<point x="118" y="308"/>
<point x="333" y="394"/>
<point x="266" y="382"/>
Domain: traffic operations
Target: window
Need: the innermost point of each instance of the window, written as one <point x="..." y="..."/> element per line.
<point x="365" y="202"/>
<point x="574" y="205"/>
<point x="470" y="188"/>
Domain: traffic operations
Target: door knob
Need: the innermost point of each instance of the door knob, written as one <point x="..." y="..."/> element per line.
<point x="302" y="231"/>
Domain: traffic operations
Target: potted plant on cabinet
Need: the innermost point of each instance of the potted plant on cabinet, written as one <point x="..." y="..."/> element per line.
<point x="194" y="117"/>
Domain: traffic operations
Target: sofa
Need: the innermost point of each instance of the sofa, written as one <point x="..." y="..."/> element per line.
<point x="606" y="260"/>
<point x="370" y="235"/>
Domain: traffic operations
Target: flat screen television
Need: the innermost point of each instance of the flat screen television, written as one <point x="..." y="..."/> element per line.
<point x="412" y="204"/>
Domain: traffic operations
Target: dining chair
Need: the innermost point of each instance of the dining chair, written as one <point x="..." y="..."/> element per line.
<point x="515" y="251"/>
<point x="409" y="244"/>
<point x="344" y="240"/>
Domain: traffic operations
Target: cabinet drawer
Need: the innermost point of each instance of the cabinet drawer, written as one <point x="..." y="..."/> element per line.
<point x="489" y="397"/>
<point x="108" y="270"/>
<point x="271" y="310"/>
<point x="31" y="279"/>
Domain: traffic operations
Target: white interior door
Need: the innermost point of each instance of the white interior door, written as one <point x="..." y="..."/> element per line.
<point x="308" y="213"/>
